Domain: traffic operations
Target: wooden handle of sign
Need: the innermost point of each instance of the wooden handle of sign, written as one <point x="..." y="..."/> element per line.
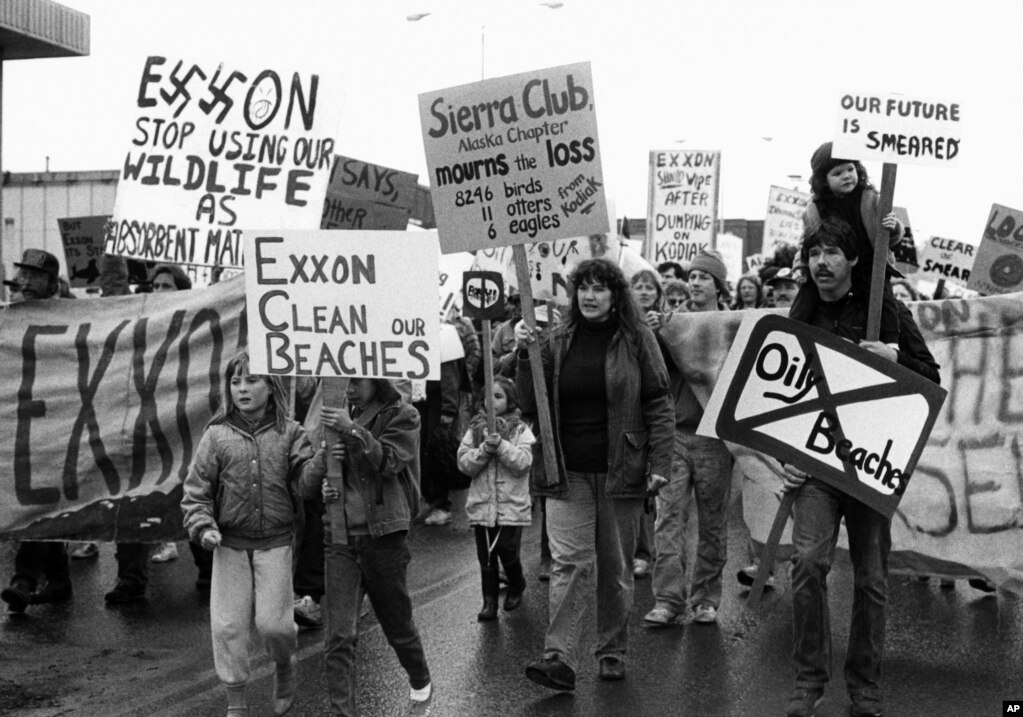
<point x="878" y="271"/>
<point x="543" y="414"/>
<point x="334" y="395"/>
<point x="770" y="548"/>
<point x="488" y="377"/>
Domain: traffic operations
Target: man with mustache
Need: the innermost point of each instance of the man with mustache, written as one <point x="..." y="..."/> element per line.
<point x="829" y="251"/>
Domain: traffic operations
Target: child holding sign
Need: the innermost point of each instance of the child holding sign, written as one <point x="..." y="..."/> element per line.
<point x="238" y="503"/>
<point x="498" y="503"/>
<point x="840" y="188"/>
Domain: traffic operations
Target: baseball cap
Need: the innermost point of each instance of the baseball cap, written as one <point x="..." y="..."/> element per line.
<point x="39" y="260"/>
<point x="783" y="274"/>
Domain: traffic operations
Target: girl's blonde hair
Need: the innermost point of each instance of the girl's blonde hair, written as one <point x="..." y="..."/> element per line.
<point x="240" y="363"/>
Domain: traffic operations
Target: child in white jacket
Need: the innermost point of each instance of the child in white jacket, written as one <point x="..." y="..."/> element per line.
<point x="498" y="503"/>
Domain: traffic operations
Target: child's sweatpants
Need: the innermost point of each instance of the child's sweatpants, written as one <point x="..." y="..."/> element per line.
<point x="247" y="584"/>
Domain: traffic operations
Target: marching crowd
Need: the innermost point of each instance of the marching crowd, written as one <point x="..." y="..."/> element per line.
<point x="275" y="543"/>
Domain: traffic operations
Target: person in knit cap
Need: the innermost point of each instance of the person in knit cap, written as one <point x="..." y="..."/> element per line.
<point x="840" y="188"/>
<point x="701" y="467"/>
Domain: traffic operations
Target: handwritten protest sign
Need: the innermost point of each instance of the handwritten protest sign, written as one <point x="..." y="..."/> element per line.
<point x="342" y="304"/>
<point x="946" y="259"/>
<point x="361" y="195"/>
<point x="810" y="398"/>
<point x="83" y="249"/>
<point x="898" y="129"/>
<point x="515" y="159"/>
<point x="682" y="204"/>
<point x="549" y="263"/>
<point x="784" y="221"/>
<point x="216" y="149"/>
<point x="998" y="268"/>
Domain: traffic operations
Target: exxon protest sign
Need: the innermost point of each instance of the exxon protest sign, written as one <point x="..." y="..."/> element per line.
<point x="216" y="149"/>
<point x="682" y="205"/>
<point x="812" y="400"/>
<point x="515" y="160"/>
<point x="342" y="303"/>
<point x="898" y="129"/>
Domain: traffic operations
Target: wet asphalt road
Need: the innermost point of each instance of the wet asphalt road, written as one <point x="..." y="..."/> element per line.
<point x="948" y="652"/>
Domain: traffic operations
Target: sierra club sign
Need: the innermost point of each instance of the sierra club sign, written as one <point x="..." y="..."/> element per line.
<point x="811" y="399"/>
<point x="515" y="160"/>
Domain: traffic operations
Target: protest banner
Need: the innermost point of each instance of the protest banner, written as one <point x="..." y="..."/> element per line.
<point x="947" y="260"/>
<point x="102" y="404"/>
<point x="216" y="149"/>
<point x="784" y="221"/>
<point x="83" y="249"/>
<point x="998" y="268"/>
<point x="361" y="195"/>
<point x="342" y="304"/>
<point x="810" y="398"/>
<point x="897" y="129"/>
<point x="515" y="159"/>
<point x="682" y="205"/>
<point x="960" y="517"/>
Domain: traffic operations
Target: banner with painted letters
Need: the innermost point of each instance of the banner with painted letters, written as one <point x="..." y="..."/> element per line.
<point x="218" y="148"/>
<point x="102" y="403"/>
<point x="960" y="515"/>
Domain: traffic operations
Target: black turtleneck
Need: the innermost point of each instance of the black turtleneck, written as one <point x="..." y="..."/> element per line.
<point x="582" y="394"/>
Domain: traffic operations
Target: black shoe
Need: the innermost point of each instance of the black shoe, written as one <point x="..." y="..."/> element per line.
<point x="124" y="595"/>
<point x="489" y="611"/>
<point x="51" y="593"/>
<point x="17" y="596"/>
<point x="612" y="668"/>
<point x="516" y="586"/>
<point x="552" y="672"/>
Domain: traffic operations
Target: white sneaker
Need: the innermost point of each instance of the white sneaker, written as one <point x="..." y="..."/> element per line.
<point x="705" y="613"/>
<point x="421" y="702"/>
<point x="640" y="568"/>
<point x="439" y="516"/>
<point x="308" y="612"/>
<point x="166" y="553"/>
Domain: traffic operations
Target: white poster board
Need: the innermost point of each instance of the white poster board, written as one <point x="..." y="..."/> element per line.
<point x="897" y="129"/>
<point x="514" y="160"/>
<point x="682" y="204"/>
<point x="216" y="149"/>
<point x="342" y="303"/>
<point x="947" y="259"/>
<point x="784" y="221"/>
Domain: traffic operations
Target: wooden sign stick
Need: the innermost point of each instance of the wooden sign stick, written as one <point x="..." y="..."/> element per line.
<point x="770" y="548"/>
<point x="488" y="377"/>
<point x="335" y="396"/>
<point x="543" y="414"/>
<point x="878" y="271"/>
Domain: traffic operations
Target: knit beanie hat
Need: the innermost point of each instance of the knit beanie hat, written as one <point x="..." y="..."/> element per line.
<point x="822" y="162"/>
<point x="709" y="260"/>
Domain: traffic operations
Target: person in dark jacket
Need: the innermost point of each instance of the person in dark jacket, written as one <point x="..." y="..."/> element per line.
<point x="612" y="417"/>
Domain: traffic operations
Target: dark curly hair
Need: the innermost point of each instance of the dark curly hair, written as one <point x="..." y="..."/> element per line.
<point x="602" y="271"/>
<point x="832" y="231"/>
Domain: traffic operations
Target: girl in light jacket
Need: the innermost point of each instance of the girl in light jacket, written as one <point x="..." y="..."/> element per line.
<point x="498" y="503"/>
<point x="238" y="503"/>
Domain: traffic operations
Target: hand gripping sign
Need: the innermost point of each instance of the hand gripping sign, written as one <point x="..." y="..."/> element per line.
<point x="844" y="415"/>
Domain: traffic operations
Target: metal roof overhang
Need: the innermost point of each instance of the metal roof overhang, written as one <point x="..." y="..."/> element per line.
<point x="41" y="28"/>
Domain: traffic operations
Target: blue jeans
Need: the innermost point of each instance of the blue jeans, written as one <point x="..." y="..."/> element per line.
<point x="376" y="567"/>
<point x="701" y="467"/>
<point x="818" y="511"/>
<point x="590" y="532"/>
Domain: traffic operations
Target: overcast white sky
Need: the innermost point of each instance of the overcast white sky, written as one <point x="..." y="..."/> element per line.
<point x="723" y="75"/>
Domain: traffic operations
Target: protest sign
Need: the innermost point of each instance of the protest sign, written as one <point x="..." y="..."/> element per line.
<point x="904" y="252"/>
<point x="482" y="295"/>
<point x="216" y="149"/>
<point x="514" y="160"/>
<point x="342" y="304"/>
<point x="946" y="259"/>
<point x="682" y="204"/>
<point x="102" y="404"/>
<point x="998" y="268"/>
<point x="811" y="399"/>
<point x="361" y="195"/>
<point x="83" y="249"/>
<point x="450" y="279"/>
<point x="784" y="221"/>
<point x="897" y="129"/>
